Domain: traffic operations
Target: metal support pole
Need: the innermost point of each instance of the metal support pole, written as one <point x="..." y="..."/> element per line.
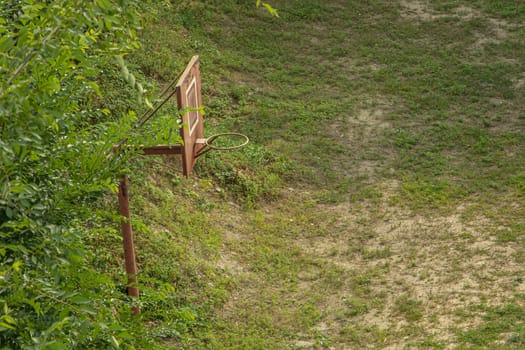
<point x="127" y="235"/>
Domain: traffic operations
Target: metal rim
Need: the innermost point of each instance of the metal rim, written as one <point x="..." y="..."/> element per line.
<point x="212" y="138"/>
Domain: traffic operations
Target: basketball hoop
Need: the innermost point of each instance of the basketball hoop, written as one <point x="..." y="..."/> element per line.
<point x="189" y="100"/>
<point x="208" y="143"/>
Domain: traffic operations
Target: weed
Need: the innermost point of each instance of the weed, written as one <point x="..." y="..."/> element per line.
<point x="409" y="308"/>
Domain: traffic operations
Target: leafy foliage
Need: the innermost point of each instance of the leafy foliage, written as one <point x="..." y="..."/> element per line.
<point x="53" y="168"/>
<point x="56" y="161"/>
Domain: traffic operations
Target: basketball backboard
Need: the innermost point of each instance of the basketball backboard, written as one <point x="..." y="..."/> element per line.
<point x="189" y="100"/>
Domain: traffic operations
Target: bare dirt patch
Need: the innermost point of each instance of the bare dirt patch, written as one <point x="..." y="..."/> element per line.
<point x="359" y="134"/>
<point x="519" y="82"/>
<point x="423" y="11"/>
<point x="444" y="262"/>
<point x="420" y="10"/>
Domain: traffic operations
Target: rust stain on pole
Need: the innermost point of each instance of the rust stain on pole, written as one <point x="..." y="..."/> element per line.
<point x="127" y="235"/>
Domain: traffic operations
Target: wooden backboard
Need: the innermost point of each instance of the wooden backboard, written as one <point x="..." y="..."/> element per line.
<point x="189" y="100"/>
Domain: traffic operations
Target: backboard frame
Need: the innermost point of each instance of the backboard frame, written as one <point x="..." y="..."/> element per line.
<point x="189" y="100"/>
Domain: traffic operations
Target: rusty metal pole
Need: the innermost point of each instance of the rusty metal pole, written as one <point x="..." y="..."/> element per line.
<point x="127" y="235"/>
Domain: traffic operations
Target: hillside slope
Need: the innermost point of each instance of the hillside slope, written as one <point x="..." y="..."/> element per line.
<point x="380" y="203"/>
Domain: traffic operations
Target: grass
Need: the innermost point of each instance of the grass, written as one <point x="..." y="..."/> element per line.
<point x="502" y="328"/>
<point x="380" y="202"/>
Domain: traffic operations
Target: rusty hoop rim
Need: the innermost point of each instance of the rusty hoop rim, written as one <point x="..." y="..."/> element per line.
<point x="209" y="140"/>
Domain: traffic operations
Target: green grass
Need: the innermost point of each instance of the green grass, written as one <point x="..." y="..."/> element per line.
<point x="409" y="308"/>
<point x="502" y="328"/>
<point x="379" y="202"/>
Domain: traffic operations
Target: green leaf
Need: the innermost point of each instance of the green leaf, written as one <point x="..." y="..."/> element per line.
<point x="140" y="88"/>
<point x="51" y="85"/>
<point x="108" y="24"/>
<point x="114" y="342"/>
<point x="94" y="86"/>
<point x="104" y="4"/>
<point x="6" y="43"/>
<point x="270" y="9"/>
<point x="131" y="80"/>
<point x="148" y="103"/>
<point x="88" y="310"/>
<point x="9" y="319"/>
<point x="17" y="265"/>
<point x="55" y="345"/>
<point x="120" y="60"/>
<point x="58" y="325"/>
<point x="5" y="326"/>
<point x="79" y="299"/>
<point x="125" y="72"/>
